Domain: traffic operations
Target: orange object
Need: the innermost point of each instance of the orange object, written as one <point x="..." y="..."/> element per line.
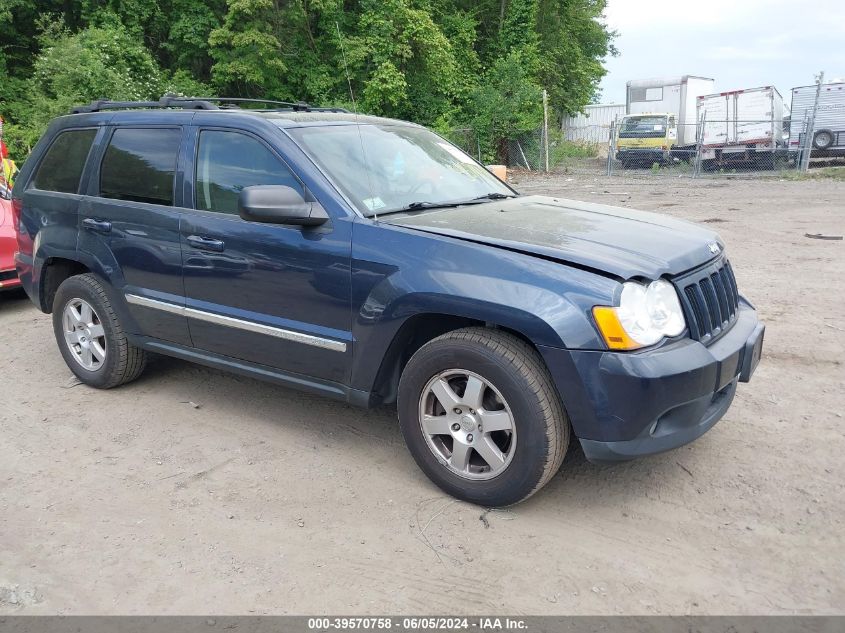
<point x="611" y="329"/>
<point x="499" y="171"/>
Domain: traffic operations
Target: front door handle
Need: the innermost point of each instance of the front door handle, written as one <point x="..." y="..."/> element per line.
<point x="92" y="224"/>
<point x="206" y="243"/>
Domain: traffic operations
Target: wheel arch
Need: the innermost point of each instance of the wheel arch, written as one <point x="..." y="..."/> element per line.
<point x="415" y="332"/>
<point x="54" y="271"/>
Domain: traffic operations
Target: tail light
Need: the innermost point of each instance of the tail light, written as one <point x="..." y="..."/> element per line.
<point x="17" y="207"/>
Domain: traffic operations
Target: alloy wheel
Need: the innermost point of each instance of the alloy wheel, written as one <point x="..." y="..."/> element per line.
<point x="84" y="334"/>
<point x="467" y="424"/>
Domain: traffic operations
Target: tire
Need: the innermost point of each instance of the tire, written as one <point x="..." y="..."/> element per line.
<point x="823" y="139"/>
<point x="93" y="335"/>
<point x="517" y="386"/>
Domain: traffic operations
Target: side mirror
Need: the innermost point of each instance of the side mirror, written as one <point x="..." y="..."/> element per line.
<point x="278" y="204"/>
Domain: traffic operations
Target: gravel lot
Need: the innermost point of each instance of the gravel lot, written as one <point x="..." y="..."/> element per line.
<point x="192" y="491"/>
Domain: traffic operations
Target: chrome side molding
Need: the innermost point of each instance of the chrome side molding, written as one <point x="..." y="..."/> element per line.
<point x="249" y="326"/>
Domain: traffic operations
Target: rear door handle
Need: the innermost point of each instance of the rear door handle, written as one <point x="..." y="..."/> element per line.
<point x="206" y="243"/>
<point x="92" y="224"/>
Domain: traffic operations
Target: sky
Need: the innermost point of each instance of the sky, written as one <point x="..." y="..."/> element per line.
<point x="739" y="43"/>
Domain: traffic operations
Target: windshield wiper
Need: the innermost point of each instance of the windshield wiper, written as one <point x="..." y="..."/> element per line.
<point x="495" y="196"/>
<point x="425" y="204"/>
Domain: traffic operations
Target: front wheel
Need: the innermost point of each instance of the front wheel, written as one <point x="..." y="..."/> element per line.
<point x="481" y="416"/>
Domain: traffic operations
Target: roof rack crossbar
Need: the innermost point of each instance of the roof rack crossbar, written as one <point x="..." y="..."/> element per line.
<point x="164" y="102"/>
<point x="310" y="109"/>
<point x="198" y="103"/>
<point x="299" y="105"/>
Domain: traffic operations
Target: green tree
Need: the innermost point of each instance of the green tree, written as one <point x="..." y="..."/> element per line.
<point x="191" y="24"/>
<point x="97" y="62"/>
<point x="407" y="63"/>
<point x="247" y="52"/>
<point x="506" y="104"/>
<point x="447" y="63"/>
<point x="574" y="43"/>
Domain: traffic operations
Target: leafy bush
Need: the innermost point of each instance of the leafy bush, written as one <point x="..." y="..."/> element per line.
<point x="96" y="63"/>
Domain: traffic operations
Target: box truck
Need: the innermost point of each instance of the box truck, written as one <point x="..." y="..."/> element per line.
<point x="660" y="120"/>
<point x="829" y="128"/>
<point x="742" y="125"/>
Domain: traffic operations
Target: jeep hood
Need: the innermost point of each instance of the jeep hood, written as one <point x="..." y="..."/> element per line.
<point x="613" y="240"/>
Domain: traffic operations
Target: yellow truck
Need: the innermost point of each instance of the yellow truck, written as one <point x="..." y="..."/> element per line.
<point x="660" y="123"/>
<point x="645" y="139"/>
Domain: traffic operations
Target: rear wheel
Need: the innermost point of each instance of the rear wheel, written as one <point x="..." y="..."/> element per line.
<point x="481" y="416"/>
<point x="823" y="139"/>
<point x="90" y="337"/>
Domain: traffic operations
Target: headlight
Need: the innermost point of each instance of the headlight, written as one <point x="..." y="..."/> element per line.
<point x="645" y="315"/>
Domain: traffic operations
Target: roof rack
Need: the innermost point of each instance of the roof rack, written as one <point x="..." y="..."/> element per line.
<point x="199" y="103"/>
<point x="164" y="102"/>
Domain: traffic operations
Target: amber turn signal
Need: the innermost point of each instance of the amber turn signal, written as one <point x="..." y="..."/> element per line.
<point x="611" y="329"/>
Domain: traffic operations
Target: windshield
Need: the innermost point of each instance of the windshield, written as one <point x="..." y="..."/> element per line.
<point x="643" y="127"/>
<point x="389" y="167"/>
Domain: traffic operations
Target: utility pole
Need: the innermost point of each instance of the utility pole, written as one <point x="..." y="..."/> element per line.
<point x="811" y="126"/>
<point x="546" y="126"/>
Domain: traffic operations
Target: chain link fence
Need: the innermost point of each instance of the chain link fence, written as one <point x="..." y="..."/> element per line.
<point x="727" y="146"/>
<point x="614" y="152"/>
<point x="657" y="145"/>
<point x="528" y="151"/>
<point x="465" y="138"/>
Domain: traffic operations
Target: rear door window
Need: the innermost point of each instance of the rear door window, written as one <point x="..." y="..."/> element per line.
<point x="140" y="165"/>
<point x="229" y="161"/>
<point x="62" y="165"/>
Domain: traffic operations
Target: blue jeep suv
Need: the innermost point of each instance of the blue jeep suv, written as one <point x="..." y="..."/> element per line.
<point x="370" y="260"/>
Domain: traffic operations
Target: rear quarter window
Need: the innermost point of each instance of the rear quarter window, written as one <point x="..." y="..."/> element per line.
<point x="62" y="165"/>
<point x="140" y="165"/>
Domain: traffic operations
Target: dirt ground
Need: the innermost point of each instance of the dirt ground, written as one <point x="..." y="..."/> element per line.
<point x="192" y="491"/>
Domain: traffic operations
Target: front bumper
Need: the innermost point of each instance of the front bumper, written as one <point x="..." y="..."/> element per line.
<point x="645" y="154"/>
<point x="625" y="405"/>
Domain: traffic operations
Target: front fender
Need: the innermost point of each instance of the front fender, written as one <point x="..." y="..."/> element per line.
<point x="400" y="273"/>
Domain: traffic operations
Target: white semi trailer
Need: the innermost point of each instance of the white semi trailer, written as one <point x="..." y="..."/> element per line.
<point x="742" y="125"/>
<point x="829" y="125"/>
<point x="671" y="96"/>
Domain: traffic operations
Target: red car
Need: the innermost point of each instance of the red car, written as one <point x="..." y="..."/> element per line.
<point x="8" y="244"/>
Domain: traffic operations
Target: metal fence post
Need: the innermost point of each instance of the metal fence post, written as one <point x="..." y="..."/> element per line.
<point x="811" y="125"/>
<point x="699" y="140"/>
<point x="802" y="142"/>
<point x="546" y="126"/>
<point x="610" y="149"/>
